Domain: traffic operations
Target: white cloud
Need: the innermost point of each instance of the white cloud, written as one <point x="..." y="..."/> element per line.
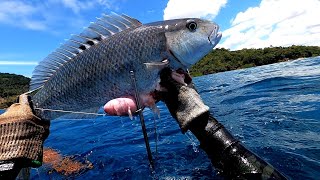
<point x="15" y="63"/>
<point x="76" y="5"/>
<point x="39" y="15"/>
<point x="72" y="4"/>
<point x="191" y="8"/>
<point x="276" y="23"/>
<point x="18" y="13"/>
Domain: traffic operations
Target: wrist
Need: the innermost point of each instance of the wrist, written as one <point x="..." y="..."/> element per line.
<point x="191" y="107"/>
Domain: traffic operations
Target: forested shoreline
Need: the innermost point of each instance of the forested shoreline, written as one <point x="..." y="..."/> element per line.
<point x="219" y="60"/>
<point x="11" y="85"/>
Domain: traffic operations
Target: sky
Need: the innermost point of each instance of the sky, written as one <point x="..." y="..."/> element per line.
<point x="31" y="30"/>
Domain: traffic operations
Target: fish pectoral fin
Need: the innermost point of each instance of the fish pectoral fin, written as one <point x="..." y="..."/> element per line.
<point x="157" y="65"/>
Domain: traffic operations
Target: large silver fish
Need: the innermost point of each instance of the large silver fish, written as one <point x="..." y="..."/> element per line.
<point x="94" y="67"/>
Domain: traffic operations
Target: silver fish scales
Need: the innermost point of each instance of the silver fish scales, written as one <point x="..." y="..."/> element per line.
<point x="94" y="67"/>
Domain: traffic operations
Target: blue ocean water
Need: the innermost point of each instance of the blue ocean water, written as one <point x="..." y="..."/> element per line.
<point x="274" y="110"/>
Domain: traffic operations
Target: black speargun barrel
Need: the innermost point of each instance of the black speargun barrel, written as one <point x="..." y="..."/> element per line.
<point x="227" y="154"/>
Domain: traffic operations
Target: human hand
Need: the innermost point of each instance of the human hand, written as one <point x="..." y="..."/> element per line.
<point x="22" y="134"/>
<point x="182" y="100"/>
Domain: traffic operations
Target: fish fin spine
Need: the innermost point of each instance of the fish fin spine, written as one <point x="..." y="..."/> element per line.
<point x="103" y="28"/>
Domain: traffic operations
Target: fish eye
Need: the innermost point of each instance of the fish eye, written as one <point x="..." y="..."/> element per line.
<point x="192" y="25"/>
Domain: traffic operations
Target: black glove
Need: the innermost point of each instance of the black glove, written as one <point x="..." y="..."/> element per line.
<point x="182" y="100"/>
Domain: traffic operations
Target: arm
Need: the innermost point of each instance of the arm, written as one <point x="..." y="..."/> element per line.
<point x="226" y="153"/>
<point x="21" y="138"/>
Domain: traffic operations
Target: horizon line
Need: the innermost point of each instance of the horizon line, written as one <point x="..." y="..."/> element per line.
<point x="18" y="63"/>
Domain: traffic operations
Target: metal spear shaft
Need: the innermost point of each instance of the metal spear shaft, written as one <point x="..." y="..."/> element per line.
<point x="143" y="126"/>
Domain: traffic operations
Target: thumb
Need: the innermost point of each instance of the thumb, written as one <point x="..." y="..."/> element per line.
<point x="24" y="99"/>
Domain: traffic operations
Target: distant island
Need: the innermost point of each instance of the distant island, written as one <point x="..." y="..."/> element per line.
<point x="12" y="85"/>
<point x="218" y="60"/>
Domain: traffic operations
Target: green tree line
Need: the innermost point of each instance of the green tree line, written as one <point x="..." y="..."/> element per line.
<point x="12" y="85"/>
<point x="220" y="60"/>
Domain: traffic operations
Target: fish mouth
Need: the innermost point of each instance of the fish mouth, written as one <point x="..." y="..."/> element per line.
<point x="215" y="37"/>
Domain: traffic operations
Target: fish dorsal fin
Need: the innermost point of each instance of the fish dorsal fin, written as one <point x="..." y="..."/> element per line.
<point x="104" y="27"/>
